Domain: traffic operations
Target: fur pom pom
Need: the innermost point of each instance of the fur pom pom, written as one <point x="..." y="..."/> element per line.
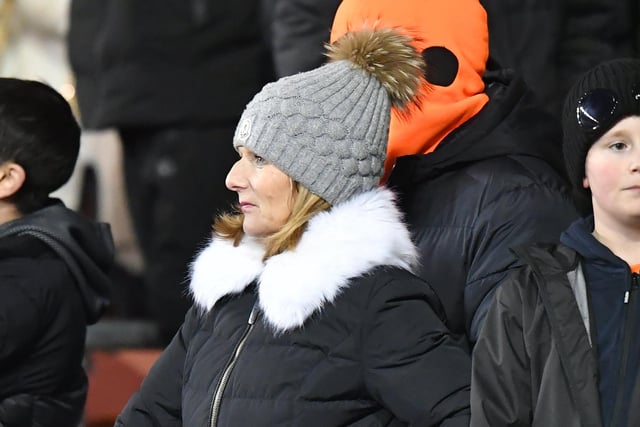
<point x="389" y="56"/>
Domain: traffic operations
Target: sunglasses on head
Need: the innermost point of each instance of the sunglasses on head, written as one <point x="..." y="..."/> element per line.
<point x="597" y="107"/>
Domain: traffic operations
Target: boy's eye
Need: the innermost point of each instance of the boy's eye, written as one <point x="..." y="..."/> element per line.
<point x="618" y="146"/>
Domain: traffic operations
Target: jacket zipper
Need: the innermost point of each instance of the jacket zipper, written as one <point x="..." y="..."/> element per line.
<point x="630" y="300"/>
<point x="226" y="373"/>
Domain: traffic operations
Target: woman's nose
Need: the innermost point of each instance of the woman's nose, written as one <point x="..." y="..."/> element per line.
<point x="235" y="179"/>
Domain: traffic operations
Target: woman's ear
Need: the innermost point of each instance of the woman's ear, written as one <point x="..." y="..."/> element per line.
<point x="585" y="182"/>
<point x="12" y="177"/>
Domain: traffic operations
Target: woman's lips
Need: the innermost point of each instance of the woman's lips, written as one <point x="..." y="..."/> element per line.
<point x="245" y="206"/>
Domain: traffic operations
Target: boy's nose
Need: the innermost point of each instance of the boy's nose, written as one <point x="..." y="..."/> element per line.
<point x="635" y="160"/>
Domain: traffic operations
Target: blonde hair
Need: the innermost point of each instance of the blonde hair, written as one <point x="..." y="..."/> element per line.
<point x="305" y="205"/>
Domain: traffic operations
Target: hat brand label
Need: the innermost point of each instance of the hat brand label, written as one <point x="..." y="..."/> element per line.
<point x="244" y="129"/>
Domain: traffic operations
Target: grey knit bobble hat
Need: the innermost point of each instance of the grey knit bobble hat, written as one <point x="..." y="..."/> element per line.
<point x="600" y="98"/>
<point x="327" y="128"/>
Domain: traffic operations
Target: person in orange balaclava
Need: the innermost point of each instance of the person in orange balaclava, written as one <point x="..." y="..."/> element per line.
<point x="478" y="165"/>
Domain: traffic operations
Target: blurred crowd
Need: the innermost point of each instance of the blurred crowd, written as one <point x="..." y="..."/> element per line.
<point x="158" y="101"/>
<point x="159" y="89"/>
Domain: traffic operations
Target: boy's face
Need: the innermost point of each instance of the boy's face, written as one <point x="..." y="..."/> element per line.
<point x="613" y="174"/>
<point x="12" y="177"/>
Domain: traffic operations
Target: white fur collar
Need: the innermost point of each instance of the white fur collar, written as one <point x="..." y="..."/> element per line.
<point x="345" y="242"/>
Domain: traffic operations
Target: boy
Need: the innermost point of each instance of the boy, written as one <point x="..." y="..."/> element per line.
<point x="560" y="344"/>
<point x="53" y="263"/>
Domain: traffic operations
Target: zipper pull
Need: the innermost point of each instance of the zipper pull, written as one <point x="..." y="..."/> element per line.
<point x="254" y="314"/>
<point x="626" y="297"/>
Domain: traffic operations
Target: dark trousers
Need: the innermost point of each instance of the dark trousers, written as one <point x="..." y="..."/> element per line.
<point x="175" y="184"/>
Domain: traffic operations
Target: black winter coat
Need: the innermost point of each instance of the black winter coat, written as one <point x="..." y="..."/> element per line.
<point x="298" y="30"/>
<point x="340" y="334"/>
<point x="53" y="283"/>
<point x="551" y="43"/>
<point x="536" y="348"/>
<point x="167" y="63"/>
<point x="494" y="183"/>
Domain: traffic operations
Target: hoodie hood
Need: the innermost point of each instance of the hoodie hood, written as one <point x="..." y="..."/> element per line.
<point x="512" y="123"/>
<point x="579" y="237"/>
<point x="454" y="90"/>
<point x="345" y="242"/>
<point x="86" y="247"/>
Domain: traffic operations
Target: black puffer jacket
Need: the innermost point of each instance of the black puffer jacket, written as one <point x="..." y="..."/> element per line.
<point x="53" y="283"/>
<point x="492" y="184"/>
<point x="340" y="334"/>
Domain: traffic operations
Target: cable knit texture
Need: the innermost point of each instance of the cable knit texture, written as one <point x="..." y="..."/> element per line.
<point x="328" y="128"/>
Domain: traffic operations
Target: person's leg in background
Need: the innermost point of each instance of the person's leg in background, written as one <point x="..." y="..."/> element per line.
<point x="175" y="182"/>
<point x="103" y="199"/>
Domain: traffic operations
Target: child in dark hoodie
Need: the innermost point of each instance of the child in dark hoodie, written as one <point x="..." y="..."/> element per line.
<point x="53" y="262"/>
<point x="560" y="344"/>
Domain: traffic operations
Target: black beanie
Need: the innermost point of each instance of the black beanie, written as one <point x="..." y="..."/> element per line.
<point x="620" y="77"/>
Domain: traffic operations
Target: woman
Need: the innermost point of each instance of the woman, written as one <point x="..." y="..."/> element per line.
<point x="306" y="312"/>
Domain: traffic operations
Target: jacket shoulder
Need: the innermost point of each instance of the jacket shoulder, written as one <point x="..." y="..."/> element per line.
<point x="544" y="268"/>
<point x="28" y="260"/>
<point x="547" y="258"/>
<point x="388" y="283"/>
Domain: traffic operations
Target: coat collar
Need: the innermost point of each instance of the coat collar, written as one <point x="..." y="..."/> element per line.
<point x="344" y="242"/>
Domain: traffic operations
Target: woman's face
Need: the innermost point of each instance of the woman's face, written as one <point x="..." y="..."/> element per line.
<point x="265" y="194"/>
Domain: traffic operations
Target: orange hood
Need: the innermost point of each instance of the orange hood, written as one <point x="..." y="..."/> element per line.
<point x="458" y="25"/>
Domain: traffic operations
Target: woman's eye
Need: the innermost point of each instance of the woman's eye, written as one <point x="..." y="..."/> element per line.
<point x="260" y="161"/>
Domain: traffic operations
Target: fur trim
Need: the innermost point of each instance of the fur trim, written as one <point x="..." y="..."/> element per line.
<point x="389" y="56"/>
<point x="345" y="242"/>
<point x="222" y="269"/>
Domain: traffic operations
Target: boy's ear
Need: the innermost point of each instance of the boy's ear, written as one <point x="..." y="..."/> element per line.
<point x="12" y="176"/>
